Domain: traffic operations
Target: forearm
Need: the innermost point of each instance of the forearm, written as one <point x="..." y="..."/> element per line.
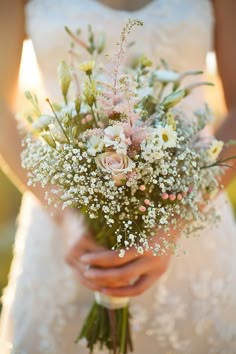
<point x="227" y="131"/>
<point x="10" y="150"/>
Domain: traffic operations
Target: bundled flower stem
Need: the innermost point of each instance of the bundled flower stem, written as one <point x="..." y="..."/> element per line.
<point x="108" y="327"/>
<point x="108" y="321"/>
<point x="125" y="155"/>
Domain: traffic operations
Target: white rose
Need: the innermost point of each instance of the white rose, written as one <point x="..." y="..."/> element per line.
<point x="116" y="164"/>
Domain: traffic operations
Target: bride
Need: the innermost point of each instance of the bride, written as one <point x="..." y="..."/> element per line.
<point x="186" y="304"/>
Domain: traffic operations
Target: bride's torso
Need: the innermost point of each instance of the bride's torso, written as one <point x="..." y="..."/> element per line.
<point x="180" y="31"/>
<point x="192" y="308"/>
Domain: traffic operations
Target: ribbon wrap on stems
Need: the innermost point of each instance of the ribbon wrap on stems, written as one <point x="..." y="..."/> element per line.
<point x="111" y="302"/>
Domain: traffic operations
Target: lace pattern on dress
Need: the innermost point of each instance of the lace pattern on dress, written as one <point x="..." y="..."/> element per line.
<point x="192" y="308"/>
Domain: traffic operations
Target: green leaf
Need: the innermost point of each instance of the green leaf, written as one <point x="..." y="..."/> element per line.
<point x="173" y="99"/>
<point x="28" y="95"/>
<point x="171" y="120"/>
<point x="65" y="78"/>
<point x="34" y="101"/>
<point x="101" y="44"/>
<point x="49" y="139"/>
<point x="57" y="106"/>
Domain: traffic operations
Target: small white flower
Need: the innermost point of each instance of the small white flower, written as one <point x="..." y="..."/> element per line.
<point x="140" y="250"/>
<point x="121" y="148"/>
<point x="152" y="154"/>
<point x="132" y="237"/>
<point x="152" y="147"/>
<point x="144" y="92"/>
<point x="167" y="136"/>
<point x="42" y="122"/>
<point x="122" y="253"/>
<point x="68" y="109"/>
<point x="95" y="145"/>
<point x="215" y="149"/>
<point x="58" y="134"/>
<point x="114" y="136"/>
<point x="157" y="247"/>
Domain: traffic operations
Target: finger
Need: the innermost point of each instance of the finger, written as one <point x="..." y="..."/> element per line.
<point x="86" y="282"/>
<point x="126" y="273"/>
<point x="78" y="248"/>
<point x="107" y="258"/>
<point x="85" y="243"/>
<point x="82" y="268"/>
<point x="142" y="284"/>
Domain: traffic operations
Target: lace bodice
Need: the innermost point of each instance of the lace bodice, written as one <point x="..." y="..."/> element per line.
<point x="180" y="31"/>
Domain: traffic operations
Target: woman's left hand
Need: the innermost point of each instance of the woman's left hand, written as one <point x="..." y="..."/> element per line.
<point x="104" y="271"/>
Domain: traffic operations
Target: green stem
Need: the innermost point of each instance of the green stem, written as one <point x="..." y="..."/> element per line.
<point x="219" y="162"/>
<point x="89" y="321"/>
<point x="228" y="159"/>
<point x="226" y="165"/>
<point x="58" y="121"/>
<point x="129" y="339"/>
<point x="95" y="332"/>
<point x="94" y="115"/>
<point x="112" y="320"/>
<point x="161" y="92"/>
<point x="65" y="99"/>
<point x="123" y="340"/>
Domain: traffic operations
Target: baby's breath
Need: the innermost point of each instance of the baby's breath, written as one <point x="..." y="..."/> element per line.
<point x="123" y="154"/>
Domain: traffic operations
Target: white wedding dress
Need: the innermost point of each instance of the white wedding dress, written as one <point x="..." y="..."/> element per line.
<point x="192" y="308"/>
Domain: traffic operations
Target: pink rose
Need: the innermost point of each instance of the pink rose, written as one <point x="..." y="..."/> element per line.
<point x="116" y="164"/>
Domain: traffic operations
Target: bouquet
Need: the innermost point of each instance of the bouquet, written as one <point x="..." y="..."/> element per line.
<point x="122" y="152"/>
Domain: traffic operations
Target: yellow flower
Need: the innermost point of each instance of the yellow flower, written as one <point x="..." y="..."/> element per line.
<point x="171" y="120"/>
<point x="87" y="67"/>
<point x="145" y="62"/>
<point x="215" y="149"/>
<point x="90" y="92"/>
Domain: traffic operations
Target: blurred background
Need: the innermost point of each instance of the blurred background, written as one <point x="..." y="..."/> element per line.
<point x="10" y="197"/>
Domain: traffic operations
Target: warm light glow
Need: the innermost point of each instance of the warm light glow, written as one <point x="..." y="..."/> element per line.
<point x="214" y="95"/>
<point x="211" y="63"/>
<point x="29" y="76"/>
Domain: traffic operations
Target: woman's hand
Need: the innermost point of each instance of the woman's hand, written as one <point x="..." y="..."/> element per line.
<point x="103" y="270"/>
